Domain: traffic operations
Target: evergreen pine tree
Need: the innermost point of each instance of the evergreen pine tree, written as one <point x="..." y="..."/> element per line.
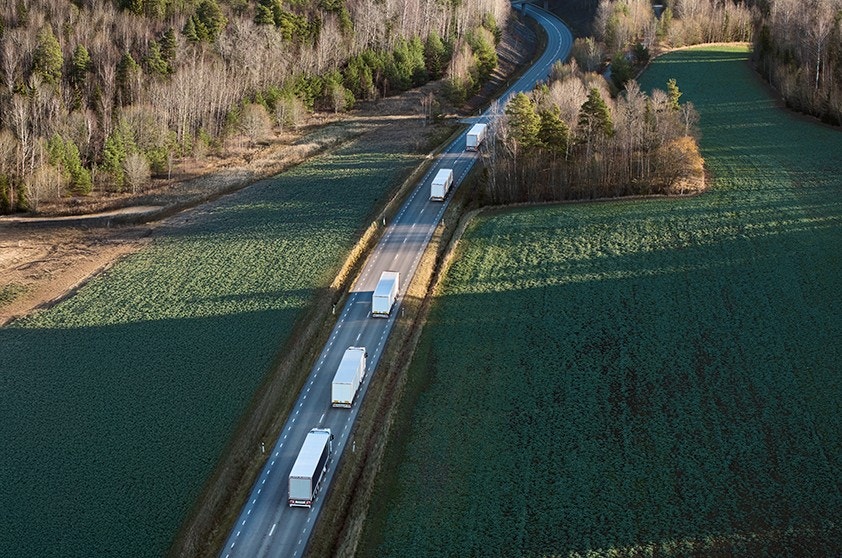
<point x="80" y="65"/>
<point x="169" y="46"/>
<point x="553" y="133"/>
<point x="594" y="117"/>
<point x="416" y="62"/>
<point x="113" y="156"/>
<point x="621" y="70"/>
<point x="156" y="9"/>
<point x="154" y="60"/>
<point x="80" y="177"/>
<point x="484" y="52"/>
<point x="48" y="57"/>
<point x="212" y="20"/>
<point x="524" y="122"/>
<point x="201" y="29"/>
<point x="263" y="15"/>
<point x="346" y="24"/>
<point x="127" y="71"/>
<point x="134" y="6"/>
<point x="190" y="30"/>
<point x="64" y="156"/>
<point x="435" y="55"/>
<point x="673" y="94"/>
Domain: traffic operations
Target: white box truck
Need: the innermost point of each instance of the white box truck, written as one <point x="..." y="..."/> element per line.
<point x="385" y="294"/>
<point x="441" y="184"/>
<point x="310" y="467"/>
<point x="349" y="376"/>
<point x="475" y="136"/>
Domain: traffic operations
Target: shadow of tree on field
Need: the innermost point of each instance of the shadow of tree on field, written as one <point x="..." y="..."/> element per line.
<point x="109" y="427"/>
<point x="662" y="399"/>
<point x="640" y="377"/>
<point x="117" y="402"/>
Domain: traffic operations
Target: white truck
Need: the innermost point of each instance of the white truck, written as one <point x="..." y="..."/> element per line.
<point x="349" y="376"/>
<point x="441" y="184"/>
<point x="310" y="467"/>
<point x="475" y="137"/>
<point x="385" y="294"/>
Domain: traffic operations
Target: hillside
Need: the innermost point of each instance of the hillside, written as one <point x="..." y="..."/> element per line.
<point x="99" y="96"/>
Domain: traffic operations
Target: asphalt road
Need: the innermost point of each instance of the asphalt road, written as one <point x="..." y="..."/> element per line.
<point x="267" y="526"/>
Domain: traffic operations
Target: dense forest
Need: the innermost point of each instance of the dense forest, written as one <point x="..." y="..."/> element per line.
<point x="101" y="94"/>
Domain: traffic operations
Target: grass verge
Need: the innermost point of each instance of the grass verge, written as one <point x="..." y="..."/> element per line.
<point x="347" y="505"/>
<point x="213" y="515"/>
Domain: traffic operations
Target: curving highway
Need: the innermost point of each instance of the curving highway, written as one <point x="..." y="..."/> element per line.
<point x="266" y="526"/>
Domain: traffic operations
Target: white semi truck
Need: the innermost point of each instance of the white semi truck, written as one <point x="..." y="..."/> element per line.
<point x="385" y="294"/>
<point x="310" y="467"/>
<point x="441" y="184"/>
<point x="475" y="137"/>
<point x="349" y="376"/>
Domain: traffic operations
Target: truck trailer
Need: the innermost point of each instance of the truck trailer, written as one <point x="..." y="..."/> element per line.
<point x="475" y="137"/>
<point x="385" y="294"/>
<point x="310" y="467"/>
<point x="349" y="376"/>
<point x="441" y="184"/>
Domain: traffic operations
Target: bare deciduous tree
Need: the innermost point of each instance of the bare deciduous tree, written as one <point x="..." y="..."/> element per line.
<point x="255" y="122"/>
<point x="137" y="172"/>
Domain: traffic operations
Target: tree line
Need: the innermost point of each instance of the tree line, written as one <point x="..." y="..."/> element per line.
<point x="798" y="49"/>
<point x="97" y="95"/>
<point x="797" y="45"/>
<point x="627" y="31"/>
<point x="568" y="139"/>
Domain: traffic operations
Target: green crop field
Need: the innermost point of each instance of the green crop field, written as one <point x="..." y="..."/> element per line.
<point x="117" y="402"/>
<point x="641" y="378"/>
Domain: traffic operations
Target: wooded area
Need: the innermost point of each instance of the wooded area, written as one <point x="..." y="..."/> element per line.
<point x="798" y="49"/>
<point x="98" y="95"/>
<point x="797" y="45"/>
<point x="570" y="140"/>
<point x="628" y="31"/>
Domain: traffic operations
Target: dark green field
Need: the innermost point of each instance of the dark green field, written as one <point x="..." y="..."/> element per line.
<point x="117" y="403"/>
<point x="647" y="378"/>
